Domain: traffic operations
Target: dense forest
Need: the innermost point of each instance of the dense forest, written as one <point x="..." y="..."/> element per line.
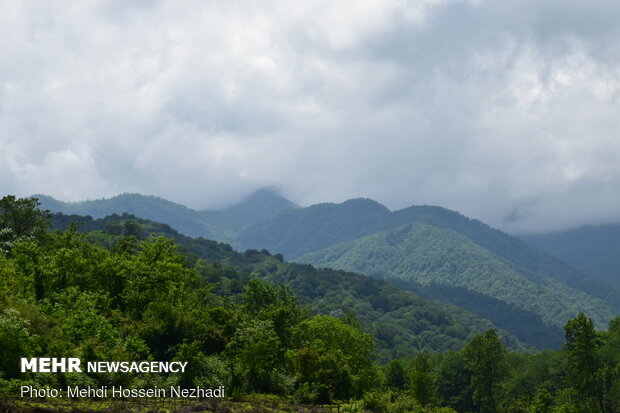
<point x="127" y="289"/>
<point x="425" y="253"/>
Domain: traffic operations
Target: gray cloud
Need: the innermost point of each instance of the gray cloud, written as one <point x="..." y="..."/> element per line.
<point x="505" y="111"/>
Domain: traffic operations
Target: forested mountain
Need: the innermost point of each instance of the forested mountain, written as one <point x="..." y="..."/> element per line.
<point x="428" y="254"/>
<point x="296" y="232"/>
<point x="443" y="247"/>
<point x="132" y="290"/>
<point x="525" y="325"/>
<point x="594" y="250"/>
<point x="400" y="321"/>
<point x="222" y="225"/>
<point x="485" y="260"/>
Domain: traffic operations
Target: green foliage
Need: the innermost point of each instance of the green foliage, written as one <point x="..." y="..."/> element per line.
<point x="20" y="219"/>
<point x="427" y="254"/>
<point x="590" y="378"/>
<point x="542" y="402"/>
<point x="582" y="344"/>
<point x="485" y="359"/>
<point x="454" y="382"/>
<point x="422" y="386"/>
<point x="255" y="337"/>
<point x="197" y="364"/>
<point x="376" y="401"/>
<point x="80" y="318"/>
<point x="395" y="375"/>
<point x="140" y="300"/>
<point x="334" y="354"/>
<point x="15" y="342"/>
<point x="276" y="305"/>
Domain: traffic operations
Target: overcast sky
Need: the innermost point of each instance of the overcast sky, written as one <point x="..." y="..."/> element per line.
<point x="507" y="111"/>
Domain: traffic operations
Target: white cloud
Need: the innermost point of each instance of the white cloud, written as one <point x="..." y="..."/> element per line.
<point x="506" y="111"/>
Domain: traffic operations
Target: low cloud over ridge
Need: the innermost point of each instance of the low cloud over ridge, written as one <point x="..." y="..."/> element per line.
<point x="505" y="111"/>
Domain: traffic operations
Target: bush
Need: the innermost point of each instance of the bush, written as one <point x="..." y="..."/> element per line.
<point x="377" y="400"/>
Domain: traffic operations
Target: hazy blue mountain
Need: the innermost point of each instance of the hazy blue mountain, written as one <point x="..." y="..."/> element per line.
<point x="178" y="216"/>
<point x="221" y="225"/>
<point x="261" y="205"/>
<point x="427" y="254"/>
<point x="594" y="250"/>
<point x="295" y="232"/>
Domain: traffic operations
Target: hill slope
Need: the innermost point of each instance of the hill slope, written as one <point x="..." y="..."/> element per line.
<point x="305" y="230"/>
<point x="427" y="254"/>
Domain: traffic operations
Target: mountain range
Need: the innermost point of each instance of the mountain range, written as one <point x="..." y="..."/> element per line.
<point x="433" y="252"/>
<point x="222" y="225"/>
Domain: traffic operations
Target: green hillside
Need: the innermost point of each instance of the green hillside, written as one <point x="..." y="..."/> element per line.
<point x="400" y="321"/>
<point x="297" y="232"/>
<point x="527" y="326"/>
<point x="423" y="253"/>
<point x="307" y="230"/>
<point x="267" y="221"/>
<point x="528" y="260"/>
<point x="594" y="250"/>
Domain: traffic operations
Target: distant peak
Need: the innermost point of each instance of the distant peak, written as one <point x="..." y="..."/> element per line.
<point x="366" y="204"/>
<point x="260" y="205"/>
<point x="362" y="201"/>
<point x="265" y="193"/>
<point x="264" y="196"/>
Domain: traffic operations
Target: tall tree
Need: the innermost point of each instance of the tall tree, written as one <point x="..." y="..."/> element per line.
<point x="21" y="217"/>
<point x="395" y="375"/>
<point x="583" y="359"/>
<point x="334" y="354"/>
<point x="485" y="358"/>
<point x="422" y="385"/>
<point x="453" y="382"/>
